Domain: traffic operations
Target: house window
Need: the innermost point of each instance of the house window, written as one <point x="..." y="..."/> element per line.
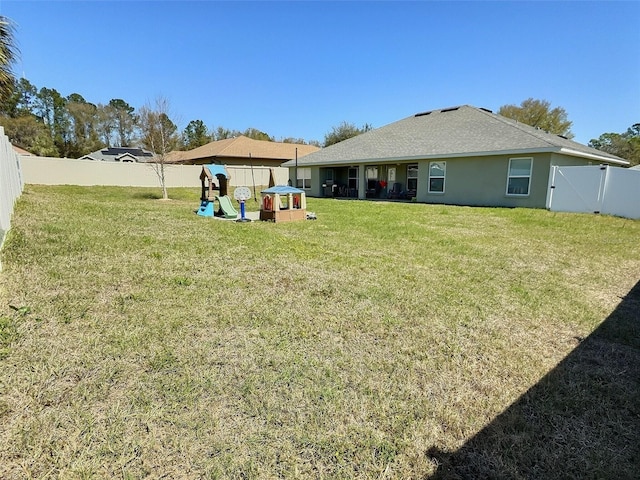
<point x="371" y="174"/>
<point x="412" y="178"/>
<point x="304" y="178"/>
<point x="519" y="178"/>
<point x="437" y="172"/>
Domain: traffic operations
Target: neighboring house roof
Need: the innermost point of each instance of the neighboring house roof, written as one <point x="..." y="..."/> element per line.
<point x="21" y="151"/>
<point x="243" y="147"/>
<point x="119" y="154"/>
<point x="448" y="133"/>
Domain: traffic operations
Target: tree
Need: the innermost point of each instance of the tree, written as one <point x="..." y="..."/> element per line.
<point x="257" y="134"/>
<point x="84" y="134"/>
<point x="105" y="123"/>
<point x="195" y="135"/>
<point x="297" y="141"/>
<point x="45" y="106"/>
<point x="125" y="121"/>
<point x="52" y="108"/>
<point x="221" y="133"/>
<point x="8" y="56"/>
<point x="624" y="145"/>
<point x="30" y="133"/>
<point x="344" y="131"/>
<point x="159" y="136"/>
<point x="538" y="113"/>
<point x="22" y="100"/>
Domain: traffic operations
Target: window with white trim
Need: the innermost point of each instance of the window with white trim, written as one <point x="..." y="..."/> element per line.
<point x="412" y="177"/>
<point x="304" y="178"/>
<point x="437" y="173"/>
<point x="519" y="176"/>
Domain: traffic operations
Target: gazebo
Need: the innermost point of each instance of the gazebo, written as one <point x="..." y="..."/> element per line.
<point x="283" y="203"/>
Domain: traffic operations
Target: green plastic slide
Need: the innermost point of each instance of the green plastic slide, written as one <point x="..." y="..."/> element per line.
<point x="227" y="207"/>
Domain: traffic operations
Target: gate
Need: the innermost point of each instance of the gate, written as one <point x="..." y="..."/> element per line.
<point x="595" y="189"/>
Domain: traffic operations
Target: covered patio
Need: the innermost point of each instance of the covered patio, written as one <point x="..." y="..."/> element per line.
<point x="383" y="181"/>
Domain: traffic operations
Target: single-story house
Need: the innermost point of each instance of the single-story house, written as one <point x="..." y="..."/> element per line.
<point x="242" y="150"/>
<point x="461" y="156"/>
<point x="119" y="154"/>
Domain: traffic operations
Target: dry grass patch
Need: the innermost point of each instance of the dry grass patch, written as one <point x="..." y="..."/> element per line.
<point x="145" y="341"/>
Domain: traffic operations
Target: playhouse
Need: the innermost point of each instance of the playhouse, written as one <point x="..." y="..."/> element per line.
<point x="283" y="203"/>
<point x="208" y="197"/>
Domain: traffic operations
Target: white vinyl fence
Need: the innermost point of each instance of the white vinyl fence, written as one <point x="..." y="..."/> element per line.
<point x="595" y="189"/>
<point x="11" y="183"/>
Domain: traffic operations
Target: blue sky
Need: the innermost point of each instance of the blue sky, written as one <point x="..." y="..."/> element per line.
<point x="296" y="69"/>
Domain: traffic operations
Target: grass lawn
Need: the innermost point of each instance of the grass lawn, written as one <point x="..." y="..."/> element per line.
<point x="383" y="340"/>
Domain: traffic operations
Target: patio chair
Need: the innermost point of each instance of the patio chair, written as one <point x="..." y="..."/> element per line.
<point x="395" y="191"/>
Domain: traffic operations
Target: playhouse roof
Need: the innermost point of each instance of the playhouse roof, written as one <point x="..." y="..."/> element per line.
<point x="217" y="170"/>
<point x="282" y="190"/>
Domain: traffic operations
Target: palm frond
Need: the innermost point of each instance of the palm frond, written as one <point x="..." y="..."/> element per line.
<point x="8" y="55"/>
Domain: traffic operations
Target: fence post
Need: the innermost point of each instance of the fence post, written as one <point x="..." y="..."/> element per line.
<point x="602" y="187"/>
<point x="551" y="186"/>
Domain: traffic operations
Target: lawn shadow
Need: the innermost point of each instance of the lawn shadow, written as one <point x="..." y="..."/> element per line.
<point x="146" y="195"/>
<point x="581" y="421"/>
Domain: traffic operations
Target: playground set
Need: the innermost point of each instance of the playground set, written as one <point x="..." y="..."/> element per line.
<point x="208" y="198"/>
<point x="279" y="203"/>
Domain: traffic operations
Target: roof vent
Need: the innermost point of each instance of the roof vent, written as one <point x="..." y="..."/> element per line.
<point x="562" y="136"/>
<point x="486" y="110"/>
<point x="422" y="114"/>
<point x="449" y="109"/>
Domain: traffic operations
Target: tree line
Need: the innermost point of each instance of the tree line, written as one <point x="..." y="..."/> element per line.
<point x="625" y="145"/>
<point x="46" y="123"/>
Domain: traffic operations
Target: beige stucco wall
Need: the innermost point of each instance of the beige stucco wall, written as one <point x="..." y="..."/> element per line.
<point x="66" y="171"/>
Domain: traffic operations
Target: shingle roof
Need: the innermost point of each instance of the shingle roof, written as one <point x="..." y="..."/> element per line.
<point x="452" y="132"/>
<point x="244" y="147"/>
<point x="21" y="151"/>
